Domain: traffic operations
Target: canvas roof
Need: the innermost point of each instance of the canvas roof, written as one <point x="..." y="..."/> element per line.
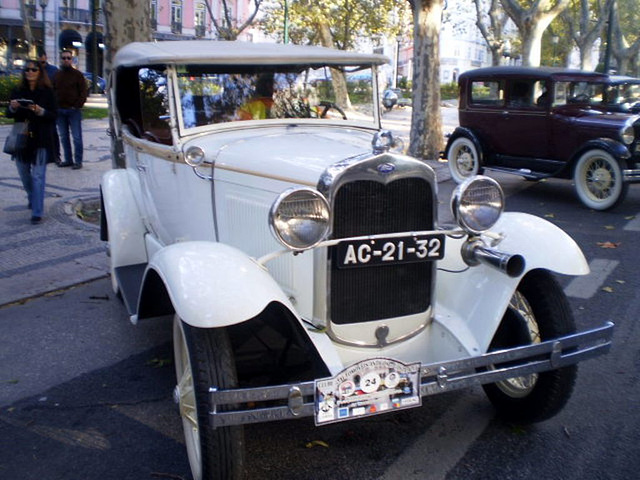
<point x="236" y="53"/>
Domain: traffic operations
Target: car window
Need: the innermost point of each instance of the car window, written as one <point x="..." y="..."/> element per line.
<point x="578" y="92"/>
<point x="490" y="93"/>
<point x="525" y="93"/>
<point x="154" y="106"/>
<point x="212" y="95"/>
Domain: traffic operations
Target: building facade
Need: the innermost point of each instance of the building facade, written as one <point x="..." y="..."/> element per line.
<point x="77" y="25"/>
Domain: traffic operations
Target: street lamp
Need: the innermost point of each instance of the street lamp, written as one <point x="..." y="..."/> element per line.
<point x="397" y="65"/>
<point x="43" y="5"/>
<point x="554" y="39"/>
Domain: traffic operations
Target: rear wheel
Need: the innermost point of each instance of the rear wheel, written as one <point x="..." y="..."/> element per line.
<point x="538" y="311"/>
<point x="463" y="159"/>
<point x="598" y="180"/>
<point x="203" y="359"/>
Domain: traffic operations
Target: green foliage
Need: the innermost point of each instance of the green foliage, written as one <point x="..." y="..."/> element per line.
<point x="449" y="91"/>
<point x="346" y="21"/>
<point x="7" y="84"/>
<point x="404" y="83"/>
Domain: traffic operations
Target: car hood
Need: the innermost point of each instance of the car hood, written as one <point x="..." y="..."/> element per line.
<point x="295" y="154"/>
<point x="595" y="115"/>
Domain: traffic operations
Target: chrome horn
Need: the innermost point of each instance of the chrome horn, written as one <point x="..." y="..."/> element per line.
<point x="475" y="252"/>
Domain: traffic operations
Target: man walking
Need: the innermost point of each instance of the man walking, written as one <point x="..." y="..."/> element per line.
<point x="51" y="71"/>
<point x="49" y="68"/>
<point x="71" y="91"/>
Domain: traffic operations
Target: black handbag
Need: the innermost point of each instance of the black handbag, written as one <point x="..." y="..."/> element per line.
<point x="16" y="142"/>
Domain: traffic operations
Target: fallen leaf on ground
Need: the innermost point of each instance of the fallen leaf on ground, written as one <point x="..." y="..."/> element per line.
<point x="608" y="244"/>
<point x="317" y="443"/>
<point x="607" y="289"/>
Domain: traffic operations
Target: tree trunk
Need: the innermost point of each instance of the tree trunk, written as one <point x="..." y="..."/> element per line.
<point x="26" y="26"/>
<point x="126" y="21"/>
<point x="532" y="42"/>
<point x="532" y="21"/>
<point x="338" y="79"/>
<point x="426" y="124"/>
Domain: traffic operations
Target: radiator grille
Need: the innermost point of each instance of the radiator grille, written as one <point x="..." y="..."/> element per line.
<point x="373" y="293"/>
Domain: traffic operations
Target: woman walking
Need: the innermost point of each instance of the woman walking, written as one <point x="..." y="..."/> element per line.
<point x="33" y="101"/>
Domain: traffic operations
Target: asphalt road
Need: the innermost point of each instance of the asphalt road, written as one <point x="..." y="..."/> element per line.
<point x="86" y="395"/>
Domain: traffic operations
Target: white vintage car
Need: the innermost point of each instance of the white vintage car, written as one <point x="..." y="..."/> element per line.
<point x="302" y="259"/>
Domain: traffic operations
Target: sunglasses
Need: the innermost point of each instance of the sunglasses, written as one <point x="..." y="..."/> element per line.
<point x="31" y="69"/>
<point x="66" y="58"/>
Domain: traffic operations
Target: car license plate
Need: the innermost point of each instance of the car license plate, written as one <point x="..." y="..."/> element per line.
<point x="370" y="387"/>
<point x="390" y="250"/>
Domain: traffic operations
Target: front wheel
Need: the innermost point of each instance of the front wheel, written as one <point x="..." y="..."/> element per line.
<point x="598" y="180"/>
<point x="463" y="159"/>
<point x="203" y="359"/>
<point x="538" y="311"/>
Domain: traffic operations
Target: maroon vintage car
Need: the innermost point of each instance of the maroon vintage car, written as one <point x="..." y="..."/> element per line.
<point x="545" y="122"/>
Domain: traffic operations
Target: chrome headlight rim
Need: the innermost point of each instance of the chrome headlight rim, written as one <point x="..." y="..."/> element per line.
<point x="292" y="239"/>
<point x="482" y="216"/>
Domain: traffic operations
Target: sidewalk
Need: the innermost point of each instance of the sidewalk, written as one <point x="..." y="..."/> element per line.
<point x="64" y="250"/>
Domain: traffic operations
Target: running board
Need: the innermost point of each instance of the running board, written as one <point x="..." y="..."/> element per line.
<point x="523" y="172"/>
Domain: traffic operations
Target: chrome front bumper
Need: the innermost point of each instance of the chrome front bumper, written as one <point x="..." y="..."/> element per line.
<point x="297" y="400"/>
<point x="631" y="175"/>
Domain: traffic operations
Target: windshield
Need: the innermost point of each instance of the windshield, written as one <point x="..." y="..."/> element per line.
<point x="625" y="96"/>
<point x="578" y="92"/>
<point x="213" y="95"/>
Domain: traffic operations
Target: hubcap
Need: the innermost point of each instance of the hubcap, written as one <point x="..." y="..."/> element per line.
<point x="465" y="160"/>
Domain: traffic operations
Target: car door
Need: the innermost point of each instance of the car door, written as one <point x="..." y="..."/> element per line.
<point x="522" y="128"/>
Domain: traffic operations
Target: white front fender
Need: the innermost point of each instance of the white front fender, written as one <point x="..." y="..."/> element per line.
<point x="214" y="285"/>
<point x="470" y="301"/>
<point x="541" y="243"/>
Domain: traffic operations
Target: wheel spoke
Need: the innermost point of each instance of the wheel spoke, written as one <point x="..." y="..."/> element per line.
<point x="600" y="179"/>
<point x="187" y="398"/>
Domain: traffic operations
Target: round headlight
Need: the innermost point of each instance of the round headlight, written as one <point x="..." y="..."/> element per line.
<point x="194" y="156"/>
<point x="477" y="204"/>
<point x="300" y="218"/>
<point x="628" y="134"/>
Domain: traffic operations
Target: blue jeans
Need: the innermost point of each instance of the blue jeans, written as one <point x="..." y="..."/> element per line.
<point x="33" y="179"/>
<point x="70" y="119"/>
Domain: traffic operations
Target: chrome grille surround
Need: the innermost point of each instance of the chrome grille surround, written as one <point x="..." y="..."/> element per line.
<point x="380" y="174"/>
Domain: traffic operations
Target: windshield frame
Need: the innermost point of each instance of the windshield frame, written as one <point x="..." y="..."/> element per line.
<point x="175" y="71"/>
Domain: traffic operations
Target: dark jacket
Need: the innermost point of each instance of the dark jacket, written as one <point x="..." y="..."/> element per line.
<point x="70" y="87"/>
<point x="51" y="70"/>
<point x="41" y="128"/>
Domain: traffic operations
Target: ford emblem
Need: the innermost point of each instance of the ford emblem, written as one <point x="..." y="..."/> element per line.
<point x="385" y="168"/>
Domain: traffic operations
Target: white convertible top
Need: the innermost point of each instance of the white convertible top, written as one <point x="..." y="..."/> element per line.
<point x="236" y="53"/>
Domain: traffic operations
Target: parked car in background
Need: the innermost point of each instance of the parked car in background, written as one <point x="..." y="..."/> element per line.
<point x="390" y="98"/>
<point x="301" y="257"/>
<point x="101" y="82"/>
<point x="545" y="122"/>
<point x="395" y="96"/>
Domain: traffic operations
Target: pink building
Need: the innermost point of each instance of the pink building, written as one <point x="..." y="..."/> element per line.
<point x="60" y="24"/>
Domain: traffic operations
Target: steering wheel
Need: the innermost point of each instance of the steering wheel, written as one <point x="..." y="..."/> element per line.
<point x="326" y="106"/>
<point x="581" y="98"/>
